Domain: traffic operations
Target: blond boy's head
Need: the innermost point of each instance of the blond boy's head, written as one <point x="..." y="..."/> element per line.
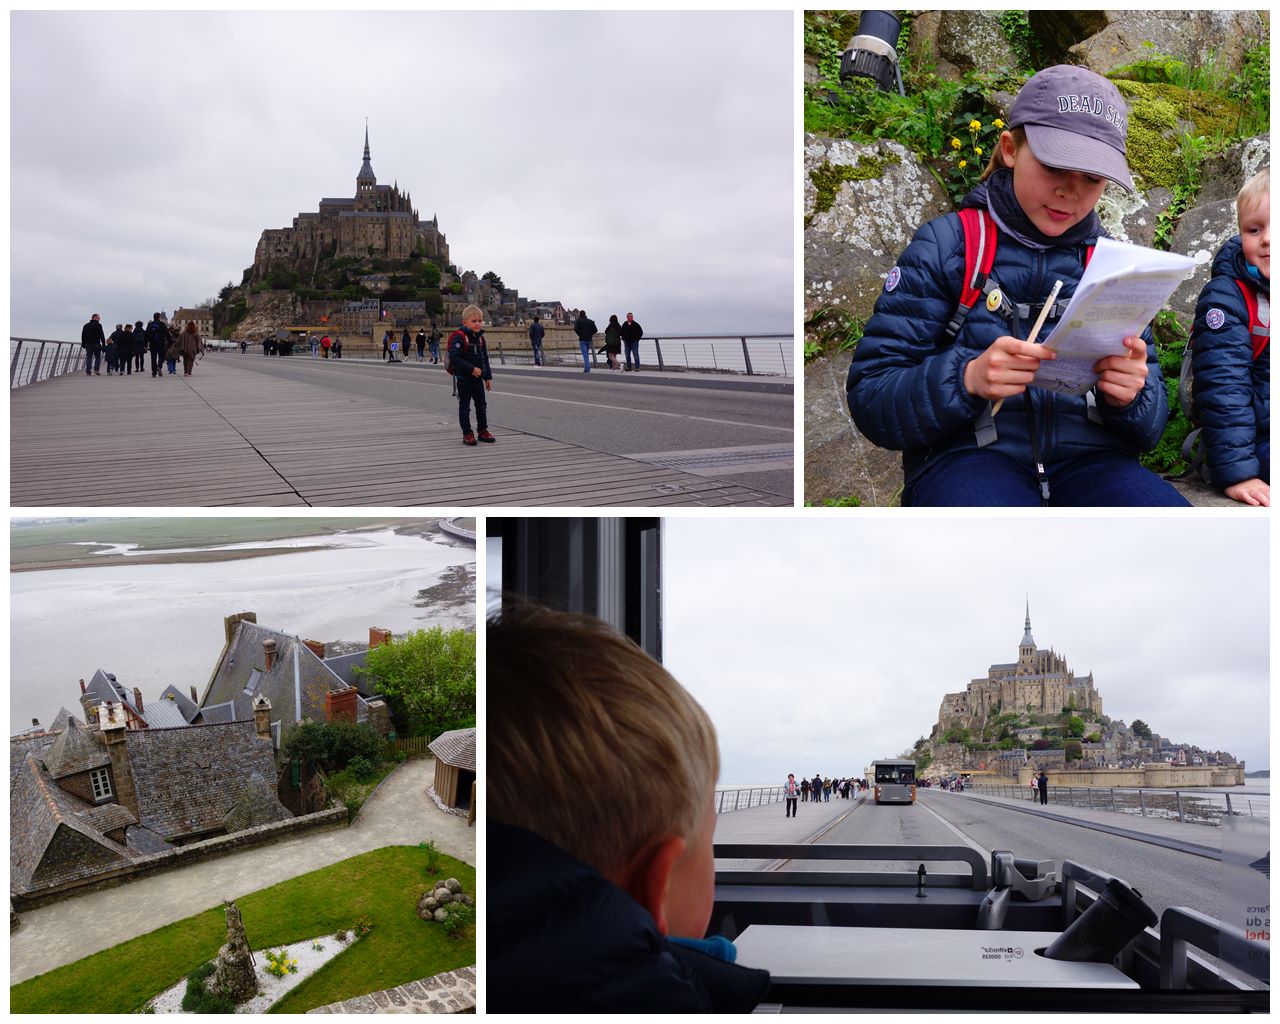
<point x="1253" y="211"/>
<point x="593" y="745"/>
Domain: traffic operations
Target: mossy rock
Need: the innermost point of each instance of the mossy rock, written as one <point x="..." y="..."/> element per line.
<point x="1159" y="113"/>
<point x="827" y="178"/>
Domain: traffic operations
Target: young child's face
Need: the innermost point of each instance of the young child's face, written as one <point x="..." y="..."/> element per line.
<point x="1255" y="235"/>
<point x="691" y="889"/>
<point x="472" y="323"/>
<point x="1054" y="199"/>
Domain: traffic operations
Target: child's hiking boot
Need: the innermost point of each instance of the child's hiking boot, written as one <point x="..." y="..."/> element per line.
<point x="487" y="437"/>
<point x="468" y="438"/>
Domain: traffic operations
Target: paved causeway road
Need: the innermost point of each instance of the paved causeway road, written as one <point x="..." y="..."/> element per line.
<point x="250" y="430"/>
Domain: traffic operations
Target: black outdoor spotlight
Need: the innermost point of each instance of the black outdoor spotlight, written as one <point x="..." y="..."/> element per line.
<point x="872" y="52"/>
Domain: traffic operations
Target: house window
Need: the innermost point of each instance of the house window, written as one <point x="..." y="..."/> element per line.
<point x="101" y="780"/>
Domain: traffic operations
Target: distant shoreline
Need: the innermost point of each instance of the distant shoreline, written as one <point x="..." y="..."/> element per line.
<point x="160" y="558"/>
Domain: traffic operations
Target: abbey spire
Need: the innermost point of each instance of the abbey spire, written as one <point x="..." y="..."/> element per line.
<point x="1027" y="639"/>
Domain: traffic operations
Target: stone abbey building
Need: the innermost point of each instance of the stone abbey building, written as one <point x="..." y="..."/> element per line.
<point x="1038" y="683"/>
<point x="379" y="220"/>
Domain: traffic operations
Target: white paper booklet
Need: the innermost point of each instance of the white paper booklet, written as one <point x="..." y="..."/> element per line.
<point x="1122" y="290"/>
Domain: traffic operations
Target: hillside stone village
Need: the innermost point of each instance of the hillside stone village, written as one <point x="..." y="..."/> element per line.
<point x="126" y="787"/>
<point x="1036" y="714"/>
<point x="358" y="264"/>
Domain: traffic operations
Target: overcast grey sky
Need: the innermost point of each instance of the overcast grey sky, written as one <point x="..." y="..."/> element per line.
<point x="821" y="644"/>
<point x="622" y="162"/>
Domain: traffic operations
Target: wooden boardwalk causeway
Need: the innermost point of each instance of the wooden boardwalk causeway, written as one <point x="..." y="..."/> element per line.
<point x="231" y="436"/>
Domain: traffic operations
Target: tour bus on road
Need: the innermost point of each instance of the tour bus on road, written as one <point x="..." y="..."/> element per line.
<point x="895" y="781"/>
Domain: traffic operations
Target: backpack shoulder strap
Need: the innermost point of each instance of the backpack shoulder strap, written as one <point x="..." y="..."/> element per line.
<point x="1259" y="307"/>
<point x="980" y="237"/>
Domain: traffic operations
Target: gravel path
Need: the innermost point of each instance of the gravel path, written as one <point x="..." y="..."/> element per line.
<point x="399" y="814"/>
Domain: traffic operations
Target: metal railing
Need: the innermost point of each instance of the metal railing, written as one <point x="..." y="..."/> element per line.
<point x="34" y="359"/>
<point x="756" y="355"/>
<point x="740" y="799"/>
<point x="1196" y="808"/>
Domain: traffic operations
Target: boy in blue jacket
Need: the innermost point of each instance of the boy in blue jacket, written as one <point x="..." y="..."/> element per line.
<point x="601" y="810"/>
<point x="1230" y="355"/>
<point x="469" y="364"/>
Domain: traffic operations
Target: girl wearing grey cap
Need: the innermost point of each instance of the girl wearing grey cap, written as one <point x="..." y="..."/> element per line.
<point x="942" y="352"/>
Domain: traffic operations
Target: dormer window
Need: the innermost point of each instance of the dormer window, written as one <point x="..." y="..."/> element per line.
<point x="101" y="779"/>
<point x="252" y="684"/>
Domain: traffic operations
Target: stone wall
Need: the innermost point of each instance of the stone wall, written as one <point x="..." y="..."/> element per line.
<point x="335" y="816"/>
<point x="1152" y="776"/>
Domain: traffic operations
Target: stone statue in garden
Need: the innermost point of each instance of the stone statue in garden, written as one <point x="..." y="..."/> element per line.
<point x="234" y="975"/>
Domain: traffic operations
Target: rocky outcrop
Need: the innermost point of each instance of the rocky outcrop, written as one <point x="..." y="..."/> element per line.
<point x="1106" y="40"/>
<point x="862" y="204"/>
<point x="1204" y="228"/>
<point x="267" y="312"/>
<point x="955" y="42"/>
<point x="838" y="461"/>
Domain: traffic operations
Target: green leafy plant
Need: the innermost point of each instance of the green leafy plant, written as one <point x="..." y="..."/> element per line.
<point x="1171" y="338"/>
<point x="279" y="964"/>
<point x="832" y="329"/>
<point x="1017" y="32"/>
<point x="198" y="998"/>
<point x="363" y="926"/>
<point x="1251" y="86"/>
<point x="361" y="769"/>
<point x="458" y="916"/>
<point x="433" y="857"/>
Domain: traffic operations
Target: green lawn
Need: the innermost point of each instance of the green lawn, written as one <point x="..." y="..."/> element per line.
<point x="384" y="885"/>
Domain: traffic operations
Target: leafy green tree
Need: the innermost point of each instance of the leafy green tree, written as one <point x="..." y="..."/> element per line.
<point x="1074" y="751"/>
<point x="1075" y="726"/>
<point x="493" y="280"/>
<point x="429" y="677"/>
<point x="1140" y="728"/>
<point x="429" y="273"/>
<point x="332" y="745"/>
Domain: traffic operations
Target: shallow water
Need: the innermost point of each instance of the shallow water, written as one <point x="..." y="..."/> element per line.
<point x="153" y="625"/>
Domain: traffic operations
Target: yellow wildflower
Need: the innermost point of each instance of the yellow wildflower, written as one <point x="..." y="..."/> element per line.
<point x="977" y="150"/>
<point x="964" y="163"/>
<point x="997" y="123"/>
<point x="955" y="143"/>
<point x="975" y="126"/>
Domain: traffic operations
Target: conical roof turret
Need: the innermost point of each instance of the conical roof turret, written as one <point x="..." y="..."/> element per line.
<point x="1027" y="639"/>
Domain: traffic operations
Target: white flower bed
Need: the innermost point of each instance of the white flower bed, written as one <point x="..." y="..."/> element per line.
<point x="270" y="988"/>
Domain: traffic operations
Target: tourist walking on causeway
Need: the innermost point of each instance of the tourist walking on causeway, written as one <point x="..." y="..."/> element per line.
<point x="405" y="343"/>
<point x="789" y="792"/>
<point x="157" y="341"/>
<point x="171" y="352"/>
<point x="1042" y="784"/>
<point x="536" y="333"/>
<point x="92" y="341"/>
<point x="139" y="345"/>
<point x="613" y="341"/>
<point x="804" y="791"/>
<point x="632" y="332"/>
<point x="421" y="342"/>
<point x="124" y="351"/>
<point x="190" y="345"/>
<point x="433" y="342"/>
<point x="113" y="347"/>
<point x="326" y="343"/>
<point x="585" y="328"/>
<point x="469" y="363"/>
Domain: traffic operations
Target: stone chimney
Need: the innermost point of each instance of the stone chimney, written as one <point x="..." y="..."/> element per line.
<point x="229" y="623"/>
<point x="269" y="653"/>
<point x="112" y="722"/>
<point x="380" y="717"/>
<point x="195" y="697"/>
<point x="340" y="705"/>
<point x="315" y="647"/>
<point x="82" y="686"/>
<point x="262" y="718"/>
<point x="378" y="637"/>
<point x="137" y="699"/>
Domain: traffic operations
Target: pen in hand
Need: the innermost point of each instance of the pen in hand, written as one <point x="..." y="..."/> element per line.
<point x="1035" y="331"/>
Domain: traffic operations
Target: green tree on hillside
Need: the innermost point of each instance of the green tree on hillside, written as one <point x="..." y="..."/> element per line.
<point x="429" y="678"/>
<point x="1140" y="728"/>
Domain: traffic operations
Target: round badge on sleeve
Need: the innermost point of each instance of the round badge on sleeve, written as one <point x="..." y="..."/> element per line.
<point x="1215" y="318"/>
<point x="891" y="281"/>
<point x="994" y="300"/>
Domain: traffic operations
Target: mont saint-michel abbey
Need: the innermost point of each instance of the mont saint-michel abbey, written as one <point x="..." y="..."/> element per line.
<point x="379" y="220"/>
<point x="1038" y="683"/>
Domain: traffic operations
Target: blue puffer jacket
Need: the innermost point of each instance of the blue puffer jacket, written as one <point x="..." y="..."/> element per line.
<point x="906" y="385"/>
<point x="562" y="938"/>
<point x="1232" y="389"/>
